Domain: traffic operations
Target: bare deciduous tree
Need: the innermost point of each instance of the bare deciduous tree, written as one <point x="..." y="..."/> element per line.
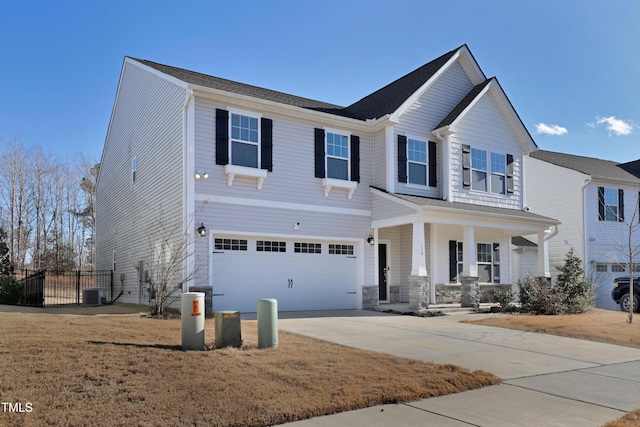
<point x="167" y="261"/>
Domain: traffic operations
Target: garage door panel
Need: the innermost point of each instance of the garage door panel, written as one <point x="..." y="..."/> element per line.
<point x="299" y="281"/>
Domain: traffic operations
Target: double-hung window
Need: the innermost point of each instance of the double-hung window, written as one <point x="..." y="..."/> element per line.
<point x="498" y="173"/>
<point x="245" y="137"/>
<point x="337" y="155"/>
<point x="488" y="256"/>
<point x="486" y="171"/>
<point x="478" y="170"/>
<point x="610" y="204"/>
<point x="417" y="161"/>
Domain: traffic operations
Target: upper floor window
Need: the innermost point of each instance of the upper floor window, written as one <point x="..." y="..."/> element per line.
<point x="417" y="161"/>
<point x="610" y="204"/>
<point x="134" y="168"/>
<point x="478" y="169"/>
<point x="486" y="171"/>
<point x="244" y="140"/>
<point x="337" y="156"/>
<point x="498" y="173"/>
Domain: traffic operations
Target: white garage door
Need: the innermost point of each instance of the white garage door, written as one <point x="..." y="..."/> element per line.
<point x="300" y="274"/>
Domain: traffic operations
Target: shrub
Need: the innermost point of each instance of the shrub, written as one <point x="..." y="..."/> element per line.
<point x="10" y="290"/>
<point x="503" y="298"/>
<point x="538" y="296"/>
<point x="572" y="294"/>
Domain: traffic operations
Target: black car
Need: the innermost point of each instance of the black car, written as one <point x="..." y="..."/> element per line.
<point x="621" y="294"/>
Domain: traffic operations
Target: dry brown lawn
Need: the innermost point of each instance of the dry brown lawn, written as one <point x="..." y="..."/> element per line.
<point x="596" y="325"/>
<point x="128" y="370"/>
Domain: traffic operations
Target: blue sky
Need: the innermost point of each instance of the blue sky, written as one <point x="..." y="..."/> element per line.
<point x="569" y="67"/>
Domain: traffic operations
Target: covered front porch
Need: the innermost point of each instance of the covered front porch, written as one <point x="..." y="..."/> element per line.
<point x="433" y="252"/>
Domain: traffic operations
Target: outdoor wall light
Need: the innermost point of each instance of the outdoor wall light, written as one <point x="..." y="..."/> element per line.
<point x="202" y="230"/>
<point x="296" y="226"/>
<point x="370" y="240"/>
<point x="201" y="174"/>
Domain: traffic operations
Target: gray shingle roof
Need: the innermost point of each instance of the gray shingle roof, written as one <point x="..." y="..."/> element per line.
<point x="521" y="241"/>
<point x="596" y="168"/>
<point x="225" y="85"/>
<point x="427" y="201"/>
<point x="464" y="103"/>
<point x="389" y="98"/>
<point x="378" y="104"/>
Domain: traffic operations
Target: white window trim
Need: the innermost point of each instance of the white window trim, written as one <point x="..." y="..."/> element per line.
<point x="489" y="173"/>
<point x="251" y="114"/>
<point x="616" y="206"/>
<point x="327" y="131"/>
<point x="134" y="168"/>
<point x="426" y="163"/>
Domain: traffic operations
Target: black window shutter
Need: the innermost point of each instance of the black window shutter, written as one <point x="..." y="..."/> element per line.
<point x="266" y="144"/>
<point x="466" y="166"/>
<point x="433" y="163"/>
<point x="222" y="137"/>
<point x="509" y="173"/>
<point x="355" y="158"/>
<point x="319" y="153"/>
<point x="620" y="205"/>
<point x="601" y="203"/>
<point x="402" y="158"/>
<point x="453" y="261"/>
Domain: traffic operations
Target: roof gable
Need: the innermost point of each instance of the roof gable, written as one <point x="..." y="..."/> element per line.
<point x="492" y="87"/>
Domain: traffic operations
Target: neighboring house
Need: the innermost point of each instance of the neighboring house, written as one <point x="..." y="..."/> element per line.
<point x="411" y="192"/>
<point x="597" y="202"/>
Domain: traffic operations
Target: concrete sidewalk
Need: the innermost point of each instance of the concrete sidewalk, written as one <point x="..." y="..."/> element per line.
<point x="548" y="380"/>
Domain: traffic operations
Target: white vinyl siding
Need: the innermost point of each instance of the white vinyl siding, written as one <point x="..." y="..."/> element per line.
<point x="147" y="119"/>
<point x="484" y="128"/>
<point x="421" y="118"/>
<point x="292" y="179"/>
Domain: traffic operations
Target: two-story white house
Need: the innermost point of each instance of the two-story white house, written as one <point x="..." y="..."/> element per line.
<point x="597" y="202"/>
<point x="412" y="191"/>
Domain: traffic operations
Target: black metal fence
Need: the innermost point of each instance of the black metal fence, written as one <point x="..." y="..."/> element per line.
<point x="50" y="288"/>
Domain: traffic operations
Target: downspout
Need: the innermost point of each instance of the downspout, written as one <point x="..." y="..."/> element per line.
<point x="189" y="186"/>
<point x="585" y="238"/>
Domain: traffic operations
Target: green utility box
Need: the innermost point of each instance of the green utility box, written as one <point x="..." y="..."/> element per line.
<point x="228" y="333"/>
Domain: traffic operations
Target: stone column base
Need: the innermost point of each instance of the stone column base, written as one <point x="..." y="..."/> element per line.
<point x="418" y="292"/>
<point x="470" y="290"/>
<point x="369" y="297"/>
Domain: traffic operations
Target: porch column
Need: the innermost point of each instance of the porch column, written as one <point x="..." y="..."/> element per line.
<point x="543" y="256"/>
<point x="418" y="260"/>
<point x="469" y="287"/>
<point x="469" y="257"/>
<point x="419" y="279"/>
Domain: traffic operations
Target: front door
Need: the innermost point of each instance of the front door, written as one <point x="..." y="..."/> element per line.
<point x="382" y="272"/>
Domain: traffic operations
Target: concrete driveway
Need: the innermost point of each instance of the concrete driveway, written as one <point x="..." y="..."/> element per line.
<point x="548" y="380"/>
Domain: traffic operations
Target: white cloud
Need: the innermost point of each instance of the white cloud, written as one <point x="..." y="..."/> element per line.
<point x="550" y="129"/>
<point x="615" y="126"/>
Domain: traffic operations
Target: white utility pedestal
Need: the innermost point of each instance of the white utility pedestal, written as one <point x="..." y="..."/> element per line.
<point x="193" y="320"/>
